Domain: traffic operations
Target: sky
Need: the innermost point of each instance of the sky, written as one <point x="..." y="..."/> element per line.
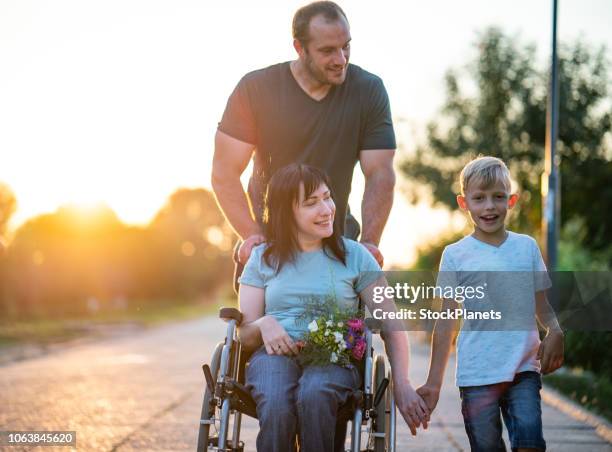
<point x="118" y="101"/>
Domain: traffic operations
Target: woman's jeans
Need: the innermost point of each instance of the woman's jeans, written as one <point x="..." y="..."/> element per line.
<point x="294" y="400"/>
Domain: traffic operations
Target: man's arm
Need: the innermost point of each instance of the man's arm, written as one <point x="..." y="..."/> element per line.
<point x="377" y="167"/>
<point x="231" y="158"/>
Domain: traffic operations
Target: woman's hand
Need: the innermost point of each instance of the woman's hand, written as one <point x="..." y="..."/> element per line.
<point x="411" y="405"/>
<point x="275" y="338"/>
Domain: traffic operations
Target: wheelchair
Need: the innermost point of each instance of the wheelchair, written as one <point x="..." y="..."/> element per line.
<point x="370" y="409"/>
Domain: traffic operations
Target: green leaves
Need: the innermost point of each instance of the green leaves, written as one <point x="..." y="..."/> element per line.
<point x="496" y="105"/>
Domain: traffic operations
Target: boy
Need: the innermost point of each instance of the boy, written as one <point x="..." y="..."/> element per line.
<point x="496" y="370"/>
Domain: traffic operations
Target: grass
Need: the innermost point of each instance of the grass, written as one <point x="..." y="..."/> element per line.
<point x="137" y="314"/>
<point x="593" y="392"/>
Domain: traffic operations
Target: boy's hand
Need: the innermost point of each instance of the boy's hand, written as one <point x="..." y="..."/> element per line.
<point x="550" y="352"/>
<point x="430" y="395"/>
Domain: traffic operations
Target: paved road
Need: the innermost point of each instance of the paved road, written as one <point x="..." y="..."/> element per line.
<point x="143" y="392"/>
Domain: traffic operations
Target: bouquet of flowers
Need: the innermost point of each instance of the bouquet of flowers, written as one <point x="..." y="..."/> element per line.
<point x="335" y="338"/>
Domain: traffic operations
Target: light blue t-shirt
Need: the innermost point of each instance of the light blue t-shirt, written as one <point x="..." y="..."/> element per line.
<point x="514" y="271"/>
<point x="314" y="276"/>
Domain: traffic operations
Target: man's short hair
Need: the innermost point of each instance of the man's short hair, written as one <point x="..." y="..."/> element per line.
<point x="485" y="171"/>
<point x="303" y="16"/>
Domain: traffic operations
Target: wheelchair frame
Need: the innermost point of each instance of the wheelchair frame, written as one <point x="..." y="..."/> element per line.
<point x="371" y="407"/>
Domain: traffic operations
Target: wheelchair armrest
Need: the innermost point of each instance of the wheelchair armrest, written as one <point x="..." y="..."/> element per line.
<point x="227" y="314"/>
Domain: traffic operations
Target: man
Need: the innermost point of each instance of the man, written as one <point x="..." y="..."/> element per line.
<point x="317" y="109"/>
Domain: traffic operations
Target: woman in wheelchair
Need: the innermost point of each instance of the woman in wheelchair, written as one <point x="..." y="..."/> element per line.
<point x="305" y="258"/>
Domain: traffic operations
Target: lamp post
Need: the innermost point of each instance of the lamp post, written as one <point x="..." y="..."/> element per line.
<point x="551" y="177"/>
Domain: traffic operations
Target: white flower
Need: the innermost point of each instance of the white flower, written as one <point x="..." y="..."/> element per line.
<point x="329" y="323"/>
<point x="342" y="345"/>
<point x="339" y="338"/>
<point x="326" y="333"/>
<point x="313" y="327"/>
<point x="340" y="324"/>
<point x="333" y="358"/>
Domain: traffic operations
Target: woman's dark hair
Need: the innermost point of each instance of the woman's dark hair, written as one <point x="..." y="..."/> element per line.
<point x="280" y="228"/>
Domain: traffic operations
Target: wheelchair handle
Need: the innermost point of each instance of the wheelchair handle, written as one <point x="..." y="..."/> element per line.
<point x="227" y="314"/>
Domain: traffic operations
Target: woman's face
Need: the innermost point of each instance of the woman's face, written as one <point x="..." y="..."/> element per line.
<point x="314" y="215"/>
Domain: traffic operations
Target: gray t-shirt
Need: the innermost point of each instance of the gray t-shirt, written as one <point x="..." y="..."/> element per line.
<point x="314" y="276"/>
<point x="511" y="273"/>
<point x="270" y="110"/>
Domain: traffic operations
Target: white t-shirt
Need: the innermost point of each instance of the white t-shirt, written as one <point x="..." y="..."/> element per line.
<point x="491" y="352"/>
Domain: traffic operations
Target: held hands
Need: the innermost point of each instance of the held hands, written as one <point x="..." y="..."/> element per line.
<point x="374" y="251"/>
<point x="275" y="338"/>
<point x="550" y="352"/>
<point x="244" y="252"/>
<point x="430" y="394"/>
<point x="411" y="405"/>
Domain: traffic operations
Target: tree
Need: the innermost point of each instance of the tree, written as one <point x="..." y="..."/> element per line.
<point x="8" y="205"/>
<point x="58" y="262"/>
<point x="506" y="118"/>
<point x="192" y="235"/>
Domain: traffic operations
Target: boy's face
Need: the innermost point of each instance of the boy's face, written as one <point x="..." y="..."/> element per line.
<point x="488" y="206"/>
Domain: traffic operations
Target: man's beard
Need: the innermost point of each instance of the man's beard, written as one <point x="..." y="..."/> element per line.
<point x="318" y="74"/>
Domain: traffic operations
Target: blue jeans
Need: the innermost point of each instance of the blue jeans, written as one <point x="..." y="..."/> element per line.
<point x="519" y="402"/>
<point x="291" y="400"/>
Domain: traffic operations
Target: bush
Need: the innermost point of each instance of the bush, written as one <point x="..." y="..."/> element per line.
<point x="590" y="391"/>
<point x="589" y="350"/>
<point x="574" y="255"/>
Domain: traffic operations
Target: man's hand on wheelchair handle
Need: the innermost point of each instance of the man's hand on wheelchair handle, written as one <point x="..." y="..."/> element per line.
<point x="244" y="252"/>
<point x="275" y="337"/>
<point x="374" y="251"/>
<point x="411" y="405"/>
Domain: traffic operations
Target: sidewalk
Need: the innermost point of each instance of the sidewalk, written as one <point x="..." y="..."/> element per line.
<point x="446" y="432"/>
<point x="144" y="392"/>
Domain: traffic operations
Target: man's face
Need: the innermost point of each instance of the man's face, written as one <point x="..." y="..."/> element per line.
<point x="327" y="53"/>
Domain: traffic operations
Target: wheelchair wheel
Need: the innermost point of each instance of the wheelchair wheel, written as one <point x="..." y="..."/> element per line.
<point x="208" y="410"/>
<point x="381" y="410"/>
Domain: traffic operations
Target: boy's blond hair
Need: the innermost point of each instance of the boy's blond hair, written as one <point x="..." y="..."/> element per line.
<point x="485" y="171"/>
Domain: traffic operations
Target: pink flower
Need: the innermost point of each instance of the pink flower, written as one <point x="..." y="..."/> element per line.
<point x="356" y="324"/>
<point x="359" y="349"/>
